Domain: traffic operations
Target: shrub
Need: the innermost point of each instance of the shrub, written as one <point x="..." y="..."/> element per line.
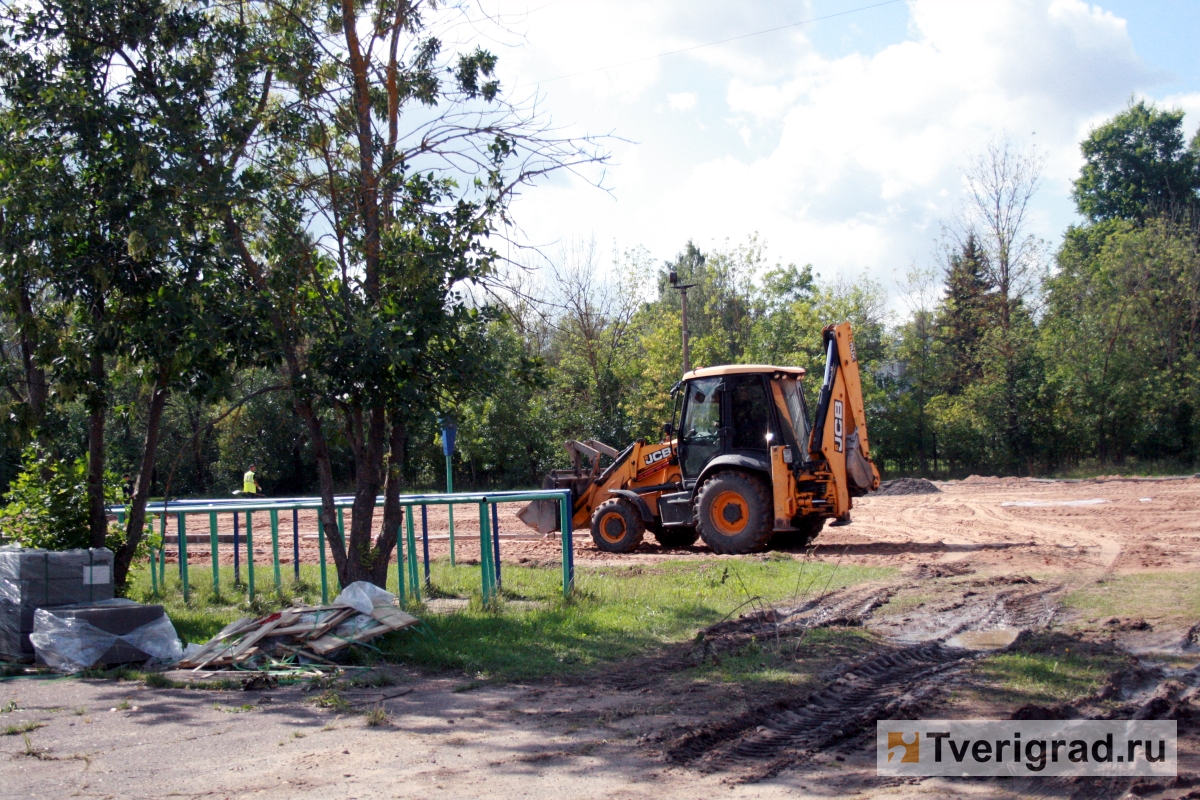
<point x="47" y="504"/>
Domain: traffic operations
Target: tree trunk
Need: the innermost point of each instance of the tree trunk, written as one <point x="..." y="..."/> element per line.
<point x="35" y="376"/>
<point x="135" y="520"/>
<point x="393" y="515"/>
<point x="97" y="405"/>
<point x="368" y="457"/>
<point x="328" y="512"/>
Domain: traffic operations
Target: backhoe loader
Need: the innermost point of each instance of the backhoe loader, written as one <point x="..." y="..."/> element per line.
<point x="745" y="469"/>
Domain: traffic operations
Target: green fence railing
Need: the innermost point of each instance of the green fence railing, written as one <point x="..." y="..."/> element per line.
<point x="408" y="566"/>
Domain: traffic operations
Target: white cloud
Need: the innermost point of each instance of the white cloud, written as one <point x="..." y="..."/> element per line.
<point x="682" y="101"/>
<point x="848" y="162"/>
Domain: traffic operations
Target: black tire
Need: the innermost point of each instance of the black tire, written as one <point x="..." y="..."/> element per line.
<point x="617" y="526"/>
<point x="807" y="528"/>
<point x="735" y="513"/>
<point x="682" y="536"/>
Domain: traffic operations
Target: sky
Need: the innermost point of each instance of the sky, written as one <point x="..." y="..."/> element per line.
<point x="841" y="142"/>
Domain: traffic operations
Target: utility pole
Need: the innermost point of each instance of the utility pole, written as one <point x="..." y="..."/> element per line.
<point x="683" y="287"/>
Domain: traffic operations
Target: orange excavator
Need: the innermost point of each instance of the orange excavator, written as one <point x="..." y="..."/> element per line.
<point x="746" y="468"/>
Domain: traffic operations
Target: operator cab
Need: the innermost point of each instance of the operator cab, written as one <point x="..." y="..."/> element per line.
<point x="737" y="413"/>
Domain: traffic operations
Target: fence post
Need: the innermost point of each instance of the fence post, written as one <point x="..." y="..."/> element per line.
<point x="321" y="547"/>
<point x="237" y="553"/>
<point x="564" y="506"/>
<point x="342" y="533"/>
<point x="162" y="550"/>
<point x="213" y="541"/>
<point x="250" y="553"/>
<point x="410" y="541"/>
<point x="275" y="549"/>
<point x="485" y="553"/>
<point x="296" y="542"/>
<point x="425" y="540"/>
<point x="183" y="561"/>
<point x="496" y="545"/>
<point x="400" y="563"/>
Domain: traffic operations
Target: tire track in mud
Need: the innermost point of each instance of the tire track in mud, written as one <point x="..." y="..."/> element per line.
<point x="889" y="684"/>
<point x="895" y="682"/>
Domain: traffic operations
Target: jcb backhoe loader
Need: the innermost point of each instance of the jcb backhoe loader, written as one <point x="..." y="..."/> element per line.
<point x="744" y="468"/>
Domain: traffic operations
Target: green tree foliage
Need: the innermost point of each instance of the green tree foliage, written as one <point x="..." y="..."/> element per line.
<point x="1137" y="165"/>
<point x="47" y="507"/>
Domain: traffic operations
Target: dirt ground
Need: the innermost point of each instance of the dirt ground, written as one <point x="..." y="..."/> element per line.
<point x="1140" y="524"/>
<point x="982" y="559"/>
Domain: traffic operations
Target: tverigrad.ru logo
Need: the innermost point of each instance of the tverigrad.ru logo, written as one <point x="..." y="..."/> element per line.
<point x="1026" y="747"/>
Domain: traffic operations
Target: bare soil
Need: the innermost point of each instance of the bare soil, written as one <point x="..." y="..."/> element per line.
<point x="981" y="556"/>
<point x="1141" y="524"/>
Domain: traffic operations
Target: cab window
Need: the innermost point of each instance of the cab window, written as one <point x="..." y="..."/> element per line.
<point x="750" y="414"/>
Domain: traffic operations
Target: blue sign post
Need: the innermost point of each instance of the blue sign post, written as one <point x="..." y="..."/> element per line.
<point x="449" y="431"/>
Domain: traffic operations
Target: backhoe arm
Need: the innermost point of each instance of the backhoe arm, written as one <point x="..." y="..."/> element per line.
<point x="839" y="436"/>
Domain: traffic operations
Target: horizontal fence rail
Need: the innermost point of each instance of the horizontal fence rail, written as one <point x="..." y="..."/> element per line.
<point x="408" y="566"/>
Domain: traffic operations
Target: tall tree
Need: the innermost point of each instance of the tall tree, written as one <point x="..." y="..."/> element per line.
<point x="390" y="163"/>
<point x="1137" y="165"/>
<point x="963" y="317"/>
<point x="127" y="101"/>
<point x="1001" y="183"/>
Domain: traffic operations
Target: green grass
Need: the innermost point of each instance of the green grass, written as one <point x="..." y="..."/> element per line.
<point x="206" y="613"/>
<point x="1154" y="468"/>
<point x="1049" y="667"/>
<point x="22" y="727"/>
<point x="1161" y="594"/>
<point x="616" y="613"/>
<point x="789" y="662"/>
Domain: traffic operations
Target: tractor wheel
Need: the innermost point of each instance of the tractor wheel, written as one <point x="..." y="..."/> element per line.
<point x="806" y="529"/>
<point x="617" y="526"/>
<point x="734" y="513"/>
<point x="676" y="536"/>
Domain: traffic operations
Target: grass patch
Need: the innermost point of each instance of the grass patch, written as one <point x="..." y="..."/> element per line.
<point x="377" y="717"/>
<point x="1049" y="668"/>
<point x="22" y="727"/>
<point x="333" y="701"/>
<point x="617" y="613"/>
<point x="1175" y="593"/>
<point x="1133" y="467"/>
<point x="788" y="662"/>
<point x="206" y="611"/>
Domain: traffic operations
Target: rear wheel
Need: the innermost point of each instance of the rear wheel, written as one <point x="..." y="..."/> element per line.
<point x="617" y="526"/>
<point x="806" y="529"/>
<point x="734" y="513"/>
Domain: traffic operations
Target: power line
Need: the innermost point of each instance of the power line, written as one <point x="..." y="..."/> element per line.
<point x="722" y="41"/>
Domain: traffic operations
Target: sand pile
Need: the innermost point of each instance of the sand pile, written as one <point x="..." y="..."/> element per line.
<point x="907" y="486"/>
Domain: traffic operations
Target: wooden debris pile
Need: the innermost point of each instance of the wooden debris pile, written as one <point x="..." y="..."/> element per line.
<point x="303" y="635"/>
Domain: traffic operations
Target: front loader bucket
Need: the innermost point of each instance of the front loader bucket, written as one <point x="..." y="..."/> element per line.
<point x="542" y="515"/>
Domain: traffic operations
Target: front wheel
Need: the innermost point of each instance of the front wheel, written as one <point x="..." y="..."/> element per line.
<point x="735" y="513"/>
<point x="617" y="526"/>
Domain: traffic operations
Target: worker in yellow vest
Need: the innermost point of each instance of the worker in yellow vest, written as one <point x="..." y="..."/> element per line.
<point x="250" y="482"/>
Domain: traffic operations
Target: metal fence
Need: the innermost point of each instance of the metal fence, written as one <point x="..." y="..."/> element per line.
<point x="408" y="565"/>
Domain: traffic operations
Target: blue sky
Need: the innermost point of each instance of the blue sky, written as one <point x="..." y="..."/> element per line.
<point x="841" y="143"/>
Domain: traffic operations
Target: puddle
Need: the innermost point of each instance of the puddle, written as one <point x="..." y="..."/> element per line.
<point x="985" y="640"/>
<point x="1095" y="501"/>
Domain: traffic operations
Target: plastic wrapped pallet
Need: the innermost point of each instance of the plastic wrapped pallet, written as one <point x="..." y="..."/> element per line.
<point x="32" y="579"/>
<point x="113" y="632"/>
<point x="38" y="578"/>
